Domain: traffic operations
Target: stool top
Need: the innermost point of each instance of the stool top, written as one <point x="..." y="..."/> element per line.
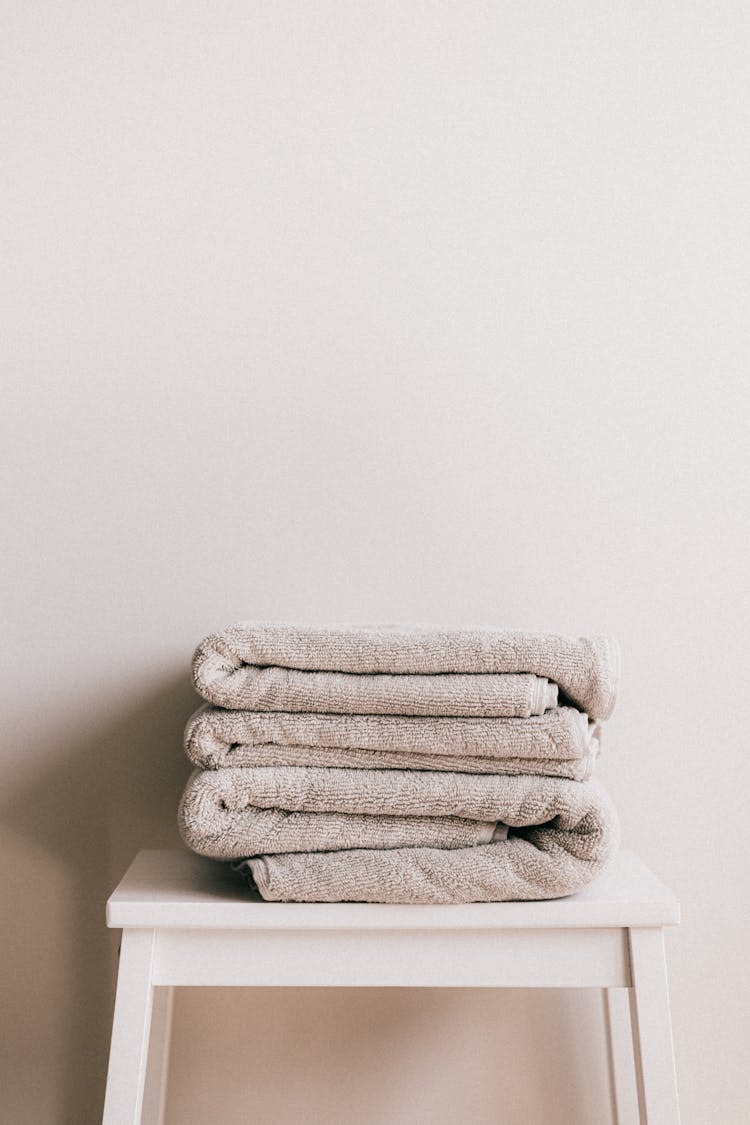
<point x="179" y="890"/>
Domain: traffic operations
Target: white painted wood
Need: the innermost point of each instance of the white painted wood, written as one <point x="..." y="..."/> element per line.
<point x="155" y="1092"/>
<point x="652" y="1030"/>
<point x="451" y="958"/>
<point x="177" y="888"/>
<point x="188" y="921"/>
<point x="620" y="1052"/>
<point x="413" y="958"/>
<point x="130" y="1030"/>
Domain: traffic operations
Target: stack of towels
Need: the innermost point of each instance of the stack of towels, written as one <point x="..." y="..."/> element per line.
<point x="401" y="765"/>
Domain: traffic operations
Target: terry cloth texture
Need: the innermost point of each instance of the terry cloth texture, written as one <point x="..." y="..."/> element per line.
<point x="401" y="765"/>
<point x="383" y="670"/>
<point x="561" y="742"/>
<point x="562" y="833"/>
<point x="344" y="693"/>
<point x="220" y="809"/>
<point x="227" y="816"/>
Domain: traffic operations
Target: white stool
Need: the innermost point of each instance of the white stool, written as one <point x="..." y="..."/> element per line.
<point x="190" y="921"/>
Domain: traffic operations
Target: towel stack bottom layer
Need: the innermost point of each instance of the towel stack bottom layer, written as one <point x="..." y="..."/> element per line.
<point x="395" y="765"/>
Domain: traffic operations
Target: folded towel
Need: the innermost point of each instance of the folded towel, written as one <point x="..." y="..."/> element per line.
<point x="217" y="818"/>
<point x="576" y="770"/>
<point x="381" y="670"/>
<point x="218" y="805"/>
<point x="286" y="689"/>
<point x="561" y="742"/>
<point x="369" y="792"/>
<point x="562" y="834"/>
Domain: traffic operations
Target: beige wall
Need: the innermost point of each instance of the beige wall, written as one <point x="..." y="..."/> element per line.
<point x="384" y="311"/>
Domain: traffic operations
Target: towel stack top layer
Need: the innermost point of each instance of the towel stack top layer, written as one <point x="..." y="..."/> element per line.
<point x="459" y="672"/>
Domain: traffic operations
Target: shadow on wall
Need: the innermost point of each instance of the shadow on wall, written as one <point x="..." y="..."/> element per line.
<point x="115" y="790"/>
<point x="393" y="1056"/>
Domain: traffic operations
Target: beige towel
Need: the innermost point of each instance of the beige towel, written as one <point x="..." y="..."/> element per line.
<point x="559" y="743"/>
<point x="383" y="670"/>
<point x="562" y="834"/>
<point x="344" y="693"/>
<point x="217" y="818"/>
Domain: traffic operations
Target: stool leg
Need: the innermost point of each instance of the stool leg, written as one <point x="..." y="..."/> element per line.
<point x="652" y="1029"/>
<point x="130" y="1030"/>
<point x="155" y="1092"/>
<point x="620" y="1051"/>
